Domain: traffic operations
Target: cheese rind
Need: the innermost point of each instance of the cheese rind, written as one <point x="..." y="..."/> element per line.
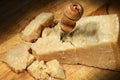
<point x="18" y="58"/>
<point x="33" y="30"/>
<point x="94" y="43"/>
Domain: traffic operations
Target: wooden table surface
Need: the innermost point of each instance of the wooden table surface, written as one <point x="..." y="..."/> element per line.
<point x="16" y="14"/>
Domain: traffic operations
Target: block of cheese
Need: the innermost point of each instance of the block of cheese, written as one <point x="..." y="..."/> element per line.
<point x="49" y="71"/>
<point x="52" y="45"/>
<point x="81" y="72"/>
<point x="18" y="58"/>
<point x="94" y="43"/>
<point x="33" y="30"/>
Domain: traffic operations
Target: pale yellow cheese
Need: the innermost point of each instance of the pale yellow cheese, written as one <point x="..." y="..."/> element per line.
<point x="55" y="69"/>
<point x="52" y="70"/>
<point x="94" y="43"/>
<point x="18" y="58"/>
<point x="38" y="70"/>
<point x="53" y="46"/>
<point x="33" y="30"/>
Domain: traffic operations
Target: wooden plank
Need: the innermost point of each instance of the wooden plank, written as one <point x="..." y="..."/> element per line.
<point x="80" y="72"/>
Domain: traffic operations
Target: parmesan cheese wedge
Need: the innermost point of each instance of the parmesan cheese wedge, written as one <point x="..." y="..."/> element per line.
<point x="18" y="58"/>
<point x="94" y="42"/>
<point x="52" y="70"/>
<point x="33" y="30"/>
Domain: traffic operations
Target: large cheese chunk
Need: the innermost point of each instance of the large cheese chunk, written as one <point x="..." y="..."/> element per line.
<point x="94" y="42"/>
<point x="18" y="58"/>
<point x="52" y="70"/>
<point x="33" y="30"/>
<point x="53" y="46"/>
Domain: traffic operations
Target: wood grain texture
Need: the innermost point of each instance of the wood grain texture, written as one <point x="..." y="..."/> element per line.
<point x="19" y="18"/>
<point x="80" y="72"/>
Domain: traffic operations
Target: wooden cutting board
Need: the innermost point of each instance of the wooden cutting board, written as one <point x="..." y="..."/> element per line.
<point x="23" y="14"/>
